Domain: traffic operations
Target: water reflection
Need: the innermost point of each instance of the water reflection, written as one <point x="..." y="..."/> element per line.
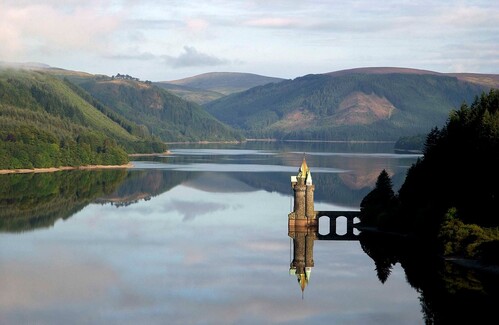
<point x="449" y="294"/>
<point x="31" y="201"/>
<point x="303" y="254"/>
<point x="156" y="246"/>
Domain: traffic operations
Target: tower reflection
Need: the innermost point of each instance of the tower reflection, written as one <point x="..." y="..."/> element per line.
<point x="303" y="253"/>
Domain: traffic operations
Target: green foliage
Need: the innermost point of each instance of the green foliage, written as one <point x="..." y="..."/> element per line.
<point x="459" y="168"/>
<point x="414" y="143"/>
<point x="47" y="122"/>
<point x="462" y="239"/>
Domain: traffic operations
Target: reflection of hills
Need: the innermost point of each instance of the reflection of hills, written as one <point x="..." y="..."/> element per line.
<point x="30" y="201"/>
<point x="143" y="185"/>
<point x="219" y="183"/>
<point x="140" y="185"/>
<point x="365" y="175"/>
<point x="346" y="188"/>
<point x="328" y="186"/>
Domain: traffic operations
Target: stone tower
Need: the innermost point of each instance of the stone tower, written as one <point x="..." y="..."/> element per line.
<point x="303" y="214"/>
<point x="302" y="225"/>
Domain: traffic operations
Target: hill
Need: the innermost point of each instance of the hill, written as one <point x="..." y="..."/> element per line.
<point x="209" y="86"/>
<point x="196" y="95"/>
<point x="357" y="104"/>
<point x="49" y="122"/>
<point x="489" y="80"/>
<point x="161" y="113"/>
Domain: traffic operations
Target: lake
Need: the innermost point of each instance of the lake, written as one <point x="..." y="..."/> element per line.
<point x="200" y="236"/>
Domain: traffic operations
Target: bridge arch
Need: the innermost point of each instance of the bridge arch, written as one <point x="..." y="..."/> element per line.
<point x="352" y="218"/>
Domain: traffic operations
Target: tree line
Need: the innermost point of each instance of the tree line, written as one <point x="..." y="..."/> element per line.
<point x="450" y="195"/>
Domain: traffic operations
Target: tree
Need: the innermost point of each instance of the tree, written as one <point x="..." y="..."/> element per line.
<point x="378" y="204"/>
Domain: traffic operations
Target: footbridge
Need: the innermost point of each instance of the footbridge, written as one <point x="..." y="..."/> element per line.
<point x="333" y="216"/>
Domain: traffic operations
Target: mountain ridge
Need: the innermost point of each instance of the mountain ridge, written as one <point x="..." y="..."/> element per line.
<point x="486" y="79"/>
<point x="210" y="86"/>
<point x="224" y="82"/>
<point x="386" y="103"/>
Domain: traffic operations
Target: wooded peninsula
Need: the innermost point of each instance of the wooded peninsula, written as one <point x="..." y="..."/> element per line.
<point x="450" y="196"/>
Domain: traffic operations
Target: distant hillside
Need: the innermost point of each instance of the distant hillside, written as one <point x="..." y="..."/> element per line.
<point x="196" y="95"/>
<point x="357" y="104"/>
<point x="48" y="122"/>
<point x="488" y="80"/>
<point x="224" y="83"/>
<point x="160" y="112"/>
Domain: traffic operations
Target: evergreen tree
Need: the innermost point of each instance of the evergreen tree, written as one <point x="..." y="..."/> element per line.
<point x="378" y="203"/>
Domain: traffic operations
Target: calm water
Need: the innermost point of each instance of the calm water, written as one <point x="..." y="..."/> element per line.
<point x="196" y="237"/>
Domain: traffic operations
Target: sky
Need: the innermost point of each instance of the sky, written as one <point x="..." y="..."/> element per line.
<point x="167" y="40"/>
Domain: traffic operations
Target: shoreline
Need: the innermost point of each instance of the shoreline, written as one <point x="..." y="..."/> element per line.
<point x="167" y="152"/>
<point x="87" y="167"/>
<point x="62" y="168"/>
<point x="279" y="140"/>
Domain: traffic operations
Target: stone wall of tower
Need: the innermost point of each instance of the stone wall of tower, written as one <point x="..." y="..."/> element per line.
<point x="309" y="202"/>
<point x="299" y="252"/>
<point x="309" y="248"/>
<point x="300" y="199"/>
<point x="303" y="213"/>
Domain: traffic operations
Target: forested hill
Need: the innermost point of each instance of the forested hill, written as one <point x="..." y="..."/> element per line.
<point x="206" y="87"/>
<point x="359" y="104"/>
<point x="163" y="114"/>
<point x="49" y="122"/>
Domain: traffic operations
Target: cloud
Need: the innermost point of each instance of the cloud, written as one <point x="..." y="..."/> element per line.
<point x="145" y="56"/>
<point x="36" y="28"/>
<point x="190" y="210"/>
<point x="54" y="282"/>
<point x="470" y="17"/>
<point x="196" y="25"/>
<point x="272" y="22"/>
<point x="193" y="58"/>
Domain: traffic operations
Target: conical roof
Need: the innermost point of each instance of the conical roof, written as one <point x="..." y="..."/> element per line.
<point x="304" y="167"/>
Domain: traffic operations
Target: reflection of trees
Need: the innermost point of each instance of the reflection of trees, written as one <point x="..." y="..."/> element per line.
<point x="143" y="185"/>
<point x="448" y="294"/>
<point x="31" y="201"/>
<point x="382" y="254"/>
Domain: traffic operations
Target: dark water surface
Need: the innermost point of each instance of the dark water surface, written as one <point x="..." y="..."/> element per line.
<point x="196" y="237"/>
